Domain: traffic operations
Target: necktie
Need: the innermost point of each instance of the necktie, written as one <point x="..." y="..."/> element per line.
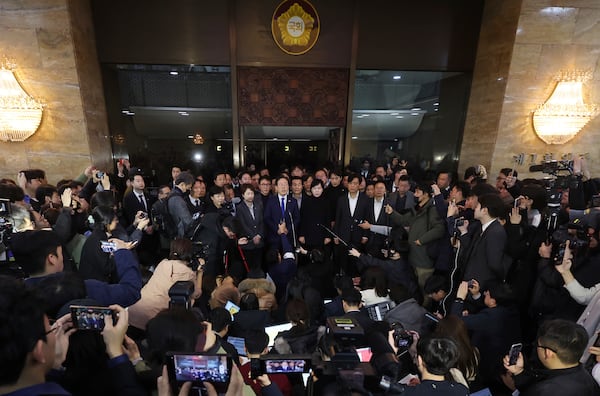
<point x="143" y="201"/>
<point x="197" y="203"/>
<point x="283" y="208"/>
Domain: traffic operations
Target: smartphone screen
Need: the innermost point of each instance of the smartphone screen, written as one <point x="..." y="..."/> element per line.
<point x="198" y="368"/>
<point x="90" y="318"/>
<point x="273" y="366"/>
<point x="513" y="355"/>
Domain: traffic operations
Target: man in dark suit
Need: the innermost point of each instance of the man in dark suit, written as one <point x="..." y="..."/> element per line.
<point x="402" y="198"/>
<point x="352" y="302"/>
<point x="133" y="203"/>
<point x="282" y="217"/>
<point x="376" y="216"/>
<point x="482" y="246"/>
<point x="352" y="209"/>
<point x="136" y="200"/>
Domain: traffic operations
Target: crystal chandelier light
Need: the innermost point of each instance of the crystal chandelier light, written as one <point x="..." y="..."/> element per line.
<point x="20" y="114"/>
<point x="564" y="114"/>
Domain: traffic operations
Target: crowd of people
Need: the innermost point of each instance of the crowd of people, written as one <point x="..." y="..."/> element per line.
<point x="439" y="276"/>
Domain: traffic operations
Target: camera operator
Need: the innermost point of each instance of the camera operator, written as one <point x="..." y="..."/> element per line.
<point x="180" y="266"/>
<point x="40" y="253"/>
<point x="493" y="329"/>
<point x="589" y="296"/>
<point x="550" y="299"/>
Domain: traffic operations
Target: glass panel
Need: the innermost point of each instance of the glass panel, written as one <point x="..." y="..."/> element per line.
<point x="172" y="114"/>
<point x="417" y="116"/>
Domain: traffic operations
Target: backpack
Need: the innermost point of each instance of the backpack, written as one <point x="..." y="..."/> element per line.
<point x="163" y="219"/>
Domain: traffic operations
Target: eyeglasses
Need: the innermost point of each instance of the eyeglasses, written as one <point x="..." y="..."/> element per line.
<point x="545" y="347"/>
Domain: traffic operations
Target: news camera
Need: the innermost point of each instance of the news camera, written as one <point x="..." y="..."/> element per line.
<point x="573" y="232"/>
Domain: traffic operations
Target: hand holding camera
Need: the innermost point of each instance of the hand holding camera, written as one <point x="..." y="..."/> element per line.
<point x="114" y="334"/>
<point x="567" y="260"/>
<point x="463" y="228"/>
<point x="435" y="189"/>
<point x="474" y="288"/>
<point x="388" y="209"/>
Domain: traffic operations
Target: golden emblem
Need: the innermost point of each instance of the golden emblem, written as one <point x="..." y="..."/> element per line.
<point x="296" y="29"/>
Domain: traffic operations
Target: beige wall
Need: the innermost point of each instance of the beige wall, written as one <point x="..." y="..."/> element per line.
<point x="39" y="37"/>
<point x="551" y="35"/>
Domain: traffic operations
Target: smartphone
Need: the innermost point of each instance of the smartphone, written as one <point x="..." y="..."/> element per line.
<point x="256" y="368"/>
<point x="198" y="368"/>
<point x="108" y="247"/>
<point x="470" y="284"/>
<point x="285" y="365"/>
<point x="432" y="317"/>
<point x="91" y="318"/>
<point x="99" y="175"/>
<point x="513" y="354"/>
<point x="597" y="342"/>
<point x="517" y="201"/>
<point x="232" y="308"/>
<point x="239" y="344"/>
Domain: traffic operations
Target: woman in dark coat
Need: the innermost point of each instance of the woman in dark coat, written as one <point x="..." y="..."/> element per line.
<point x="250" y="215"/>
<point x="314" y="211"/>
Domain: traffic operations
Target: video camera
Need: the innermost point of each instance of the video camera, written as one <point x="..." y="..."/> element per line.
<point x="199" y="251"/>
<point x="562" y="172"/>
<point x="573" y="232"/>
<point x="180" y="294"/>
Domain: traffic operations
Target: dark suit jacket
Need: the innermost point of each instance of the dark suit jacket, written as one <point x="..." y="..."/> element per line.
<point x="251" y="226"/>
<point x="482" y="257"/>
<point x="131" y="205"/>
<point x="273" y="218"/>
<point x="410" y="200"/>
<point x="346" y="226"/>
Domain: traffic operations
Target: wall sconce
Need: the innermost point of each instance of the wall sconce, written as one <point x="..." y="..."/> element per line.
<point x="564" y="114"/>
<point x="20" y="114"/>
<point x="198" y="139"/>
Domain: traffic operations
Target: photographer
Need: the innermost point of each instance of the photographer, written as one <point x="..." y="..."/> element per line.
<point x="180" y="266"/>
<point x="493" y="329"/>
<point x="550" y="299"/>
<point x="590" y="318"/>
<point x="40" y="254"/>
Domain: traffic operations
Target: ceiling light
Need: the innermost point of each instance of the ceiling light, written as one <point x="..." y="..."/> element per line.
<point x="354" y="137"/>
<point x="436" y="104"/>
<point x="397" y="77"/>
<point x="414" y="114"/>
<point x="198" y="157"/>
<point x="173" y="73"/>
<point x="399" y="116"/>
<point x="394" y="114"/>
<point x="190" y="136"/>
<point x="415" y="109"/>
<point x="20" y="114"/>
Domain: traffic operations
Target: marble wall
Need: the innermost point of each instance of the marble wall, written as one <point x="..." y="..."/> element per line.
<point x="39" y="36"/>
<point x="551" y="35"/>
